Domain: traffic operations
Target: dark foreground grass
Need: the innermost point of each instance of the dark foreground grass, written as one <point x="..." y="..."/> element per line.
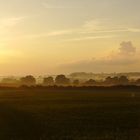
<point x="31" y="114"/>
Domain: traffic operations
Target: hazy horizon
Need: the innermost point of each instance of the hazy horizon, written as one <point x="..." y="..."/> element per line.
<point x="45" y="37"/>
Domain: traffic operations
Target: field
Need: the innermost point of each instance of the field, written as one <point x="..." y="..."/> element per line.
<point x="76" y="114"/>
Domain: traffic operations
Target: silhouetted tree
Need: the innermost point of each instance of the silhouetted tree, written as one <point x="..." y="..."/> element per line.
<point x="112" y="81"/>
<point x="123" y="80"/>
<point x="9" y="81"/>
<point x="108" y="80"/>
<point x="61" y="80"/>
<point x="28" y="80"/>
<point x="49" y="81"/>
<point x="137" y="82"/>
<point x="76" y="82"/>
<point x="90" y="82"/>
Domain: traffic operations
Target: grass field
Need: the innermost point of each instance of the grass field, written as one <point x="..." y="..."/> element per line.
<point x="31" y="114"/>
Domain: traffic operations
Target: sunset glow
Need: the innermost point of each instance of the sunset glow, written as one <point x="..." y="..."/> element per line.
<point x="42" y="37"/>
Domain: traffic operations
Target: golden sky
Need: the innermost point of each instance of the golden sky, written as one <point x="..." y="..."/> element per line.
<point x="42" y="37"/>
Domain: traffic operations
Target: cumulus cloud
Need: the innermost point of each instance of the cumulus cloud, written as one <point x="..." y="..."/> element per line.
<point x="124" y="59"/>
<point x="127" y="48"/>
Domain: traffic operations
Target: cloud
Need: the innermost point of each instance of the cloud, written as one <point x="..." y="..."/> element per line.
<point x="10" y="22"/>
<point x="124" y="59"/>
<point x="6" y="25"/>
<point x="48" y="34"/>
<point x="93" y="25"/>
<point x="89" y="30"/>
<point x="94" y="29"/>
<point x="90" y="38"/>
<point x="135" y="30"/>
<point x="78" y="34"/>
<point x="105" y="26"/>
<point x="100" y="28"/>
<point x="127" y="48"/>
<point x="60" y="32"/>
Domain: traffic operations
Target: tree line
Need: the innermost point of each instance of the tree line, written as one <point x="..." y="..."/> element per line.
<point x="62" y="80"/>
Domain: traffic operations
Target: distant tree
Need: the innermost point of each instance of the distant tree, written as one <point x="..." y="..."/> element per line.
<point x="28" y="80"/>
<point x="108" y="80"/>
<point x="137" y="82"/>
<point x="49" y="81"/>
<point x="123" y="80"/>
<point x="112" y="80"/>
<point x="90" y="82"/>
<point x="76" y="83"/>
<point x="115" y="80"/>
<point x="61" y="80"/>
<point x="9" y="81"/>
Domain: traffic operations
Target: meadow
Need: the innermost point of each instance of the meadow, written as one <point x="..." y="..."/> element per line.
<point x="69" y="114"/>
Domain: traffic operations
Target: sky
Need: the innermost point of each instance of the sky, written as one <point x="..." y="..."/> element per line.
<point x="43" y="37"/>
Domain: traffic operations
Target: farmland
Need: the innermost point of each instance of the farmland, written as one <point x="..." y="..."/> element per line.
<point x="64" y="114"/>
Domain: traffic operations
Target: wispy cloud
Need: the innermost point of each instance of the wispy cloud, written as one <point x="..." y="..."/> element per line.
<point x="60" y="32"/>
<point x="10" y="22"/>
<point x="90" y="30"/>
<point x="135" y="30"/>
<point x="90" y="38"/>
<point x="6" y="25"/>
<point x="46" y="34"/>
<point x="105" y="26"/>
